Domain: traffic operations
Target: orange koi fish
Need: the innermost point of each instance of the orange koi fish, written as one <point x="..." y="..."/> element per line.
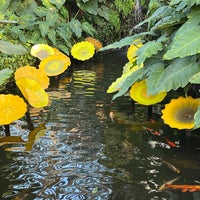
<point x="184" y="188"/>
<point x="112" y="116"/>
<point x="152" y="131"/>
<point x="163" y="186"/>
<point x="170" y="143"/>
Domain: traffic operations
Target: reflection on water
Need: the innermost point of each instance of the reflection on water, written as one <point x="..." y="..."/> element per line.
<point x="79" y="152"/>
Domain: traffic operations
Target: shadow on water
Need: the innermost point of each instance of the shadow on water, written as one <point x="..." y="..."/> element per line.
<point x="81" y="152"/>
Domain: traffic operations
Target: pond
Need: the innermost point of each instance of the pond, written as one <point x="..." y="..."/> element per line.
<point x="84" y="146"/>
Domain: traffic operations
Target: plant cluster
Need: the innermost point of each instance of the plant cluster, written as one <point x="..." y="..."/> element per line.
<point x="168" y="58"/>
<point x="60" y="23"/>
<point x="32" y="82"/>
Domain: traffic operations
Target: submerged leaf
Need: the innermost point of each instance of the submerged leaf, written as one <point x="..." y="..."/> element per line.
<point x="34" y="135"/>
<point x="10" y="139"/>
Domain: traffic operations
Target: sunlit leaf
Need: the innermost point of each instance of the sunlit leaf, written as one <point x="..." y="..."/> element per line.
<point x="11" y="49"/>
<point x="136" y="75"/>
<point x="5" y="74"/>
<point x="195" y="78"/>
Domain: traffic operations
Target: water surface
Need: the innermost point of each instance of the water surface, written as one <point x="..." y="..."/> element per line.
<point x="81" y="152"/>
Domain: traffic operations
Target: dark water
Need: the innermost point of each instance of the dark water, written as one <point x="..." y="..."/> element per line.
<point x="79" y="152"/>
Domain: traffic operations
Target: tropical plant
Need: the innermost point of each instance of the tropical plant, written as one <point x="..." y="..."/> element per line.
<point x="59" y="23"/>
<point x="170" y="51"/>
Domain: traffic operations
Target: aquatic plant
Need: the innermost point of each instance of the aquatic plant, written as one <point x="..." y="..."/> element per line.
<point x="179" y="113"/>
<point x="170" y="51"/>
<point x="32" y="73"/>
<point x="12" y="107"/>
<point x="54" y="64"/>
<point x="42" y="51"/>
<point x="83" y="50"/>
<point x="97" y="44"/>
<point x="33" y="92"/>
<point x="138" y="92"/>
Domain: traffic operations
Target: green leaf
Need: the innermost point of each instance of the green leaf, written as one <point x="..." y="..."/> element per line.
<point x="90" y="7"/>
<point x="104" y="12"/>
<point x="185" y="44"/>
<point x="76" y="27"/>
<point x="11" y="49"/>
<point x="58" y="3"/>
<point x="160" y="13"/>
<point x="197" y="119"/>
<point x="168" y="21"/>
<point x="5" y="74"/>
<point x="44" y="28"/>
<point x="177" y="74"/>
<point x="125" y="41"/>
<point x="88" y="28"/>
<point x="187" y="39"/>
<point x="149" y="49"/>
<point x="52" y="36"/>
<point x="154" y="75"/>
<point x="135" y="76"/>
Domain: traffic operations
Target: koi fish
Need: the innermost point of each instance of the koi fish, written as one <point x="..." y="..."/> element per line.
<point x="172" y="167"/>
<point x="184" y="188"/>
<point x="170" y="143"/>
<point x="152" y="131"/>
<point x="111" y="115"/>
<point x="163" y="186"/>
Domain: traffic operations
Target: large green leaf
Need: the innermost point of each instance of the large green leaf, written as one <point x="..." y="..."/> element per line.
<point x="197" y="119"/>
<point x="154" y="75"/>
<point x="11" y="49"/>
<point x="149" y="49"/>
<point x="5" y="74"/>
<point x="160" y="13"/>
<point x="187" y="39"/>
<point x="125" y="41"/>
<point x="168" y="21"/>
<point x="177" y="74"/>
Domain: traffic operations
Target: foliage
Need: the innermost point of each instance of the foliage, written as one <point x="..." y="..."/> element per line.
<point x="58" y="23"/>
<point x="170" y="53"/>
